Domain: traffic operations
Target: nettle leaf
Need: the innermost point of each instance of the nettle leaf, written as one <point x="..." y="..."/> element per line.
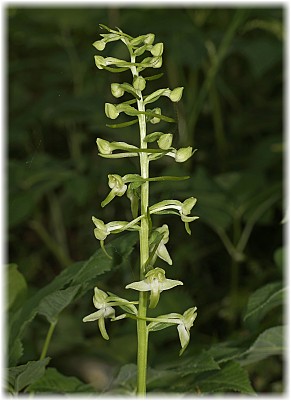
<point x="269" y="343"/>
<point x="171" y="378"/>
<point x="20" y="377"/>
<point x="262" y="301"/>
<point x="52" y="305"/>
<point x="71" y="284"/>
<point x="54" y="382"/>
<point x="226" y="351"/>
<point x="231" y="377"/>
<point x="17" y="287"/>
<point x="196" y="364"/>
<point x="126" y="378"/>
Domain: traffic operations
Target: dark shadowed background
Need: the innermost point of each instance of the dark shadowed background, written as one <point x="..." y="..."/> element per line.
<point x="230" y="62"/>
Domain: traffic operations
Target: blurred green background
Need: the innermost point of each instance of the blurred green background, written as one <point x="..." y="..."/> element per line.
<point x="230" y="62"/>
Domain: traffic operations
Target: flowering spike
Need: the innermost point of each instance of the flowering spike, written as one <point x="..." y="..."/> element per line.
<point x="153" y="239"/>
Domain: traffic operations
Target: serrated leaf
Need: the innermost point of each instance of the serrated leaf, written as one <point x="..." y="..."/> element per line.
<point x="54" y="382"/>
<point x="224" y="352"/>
<point x="262" y="301"/>
<point x="232" y="377"/>
<point x="81" y="273"/>
<point x="20" y="377"/>
<point x="196" y="364"/>
<point x="174" y="374"/>
<point x="126" y="377"/>
<point x="17" y="287"/>
<point x="269" y="343"/>
<point x="52" y="305"/>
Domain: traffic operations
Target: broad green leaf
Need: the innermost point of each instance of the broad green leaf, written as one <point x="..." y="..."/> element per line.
<point x="54" y="382"/>
<point x="126" y="378"/>
<point x="269" y="343"/>
<point x="224" y="352"/>
<point x="172" y="377"/>
<point x="52" y="305"/>
<point x="279" y="258"/>
<point x="232" y="377"/>
<point x="17" y="287"/>
<point x="196" y="364"/>
<point x="20" y="377"/>
<point x="81" y="274"/>
<point x="262" y="301"/>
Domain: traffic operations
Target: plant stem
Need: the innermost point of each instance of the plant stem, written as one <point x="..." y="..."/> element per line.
<point x="47" y="340"/>
<point x="142" y="332"/>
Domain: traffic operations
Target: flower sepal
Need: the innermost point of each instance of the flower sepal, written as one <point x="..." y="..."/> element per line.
<point x="104" y="303"/>
<point x="155" y="281"/>
<point x="184" y="323"/>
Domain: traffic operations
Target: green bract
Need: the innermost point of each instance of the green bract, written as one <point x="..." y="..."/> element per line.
<point x="143" y="54"/>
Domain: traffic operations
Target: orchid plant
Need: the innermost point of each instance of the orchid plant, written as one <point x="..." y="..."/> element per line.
<point x="153" y="240"/>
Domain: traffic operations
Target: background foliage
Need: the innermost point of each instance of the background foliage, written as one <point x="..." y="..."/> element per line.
<point x="230" y="62"/>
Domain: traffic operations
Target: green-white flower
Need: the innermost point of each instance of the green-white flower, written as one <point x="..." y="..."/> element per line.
<point x="111" y="111"/>
<point x="102" y="230"/>
<point x="106" y="148"/>
<point x="118" y="188"/>
<point x="181" y="155"/>
<point x="104" y="303"/>
<point x="171" y="206"/>
<point x="139" y="83"/>
<point x="116" y="90"/>
<point x="157" y="49"/>
<point x="155" y="281"/>
<point x="176" y="94"/>
<point x="160" y="244"/>
<point x="165" y="141"/>
<point x="184" y="323"/>
<point x="155" y="120"/>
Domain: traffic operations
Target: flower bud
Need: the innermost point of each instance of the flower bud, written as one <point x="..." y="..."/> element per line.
<point x="104" y="147"/>
<point x="157" y="49"/>
<point x="100" y="231"/>
<point x="165" y="141"/>
<point x="116" y="183"/>
<point x="116" y="90"/>
<point x="155" y="120"/>
<point x="156" y="62"/>
<point x="99" y="44"/>
<point x="188" y="205"/>
<point x="183" y="154"/>
<point x="176" y="94"/>
<point x="111" y="111"/>
<point x="100" y="62"/>
<point x="139" y="83"/>
<point x="137" y="41"/>
<point x="149" y="38"/>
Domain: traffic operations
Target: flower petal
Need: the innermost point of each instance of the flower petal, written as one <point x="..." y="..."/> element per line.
<point x="93" y="316"/>
<point x="184" y="336"/>
<point x="155" y="293"/>
<point x="163" y="253"/>
<point x="99" y="298"/>
<point x="168" y="284"/>
<point x="139" y="286"/>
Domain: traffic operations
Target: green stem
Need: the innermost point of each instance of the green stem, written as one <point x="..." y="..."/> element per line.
<point x="47" y="340"/>
<point x="142" y="332"/>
